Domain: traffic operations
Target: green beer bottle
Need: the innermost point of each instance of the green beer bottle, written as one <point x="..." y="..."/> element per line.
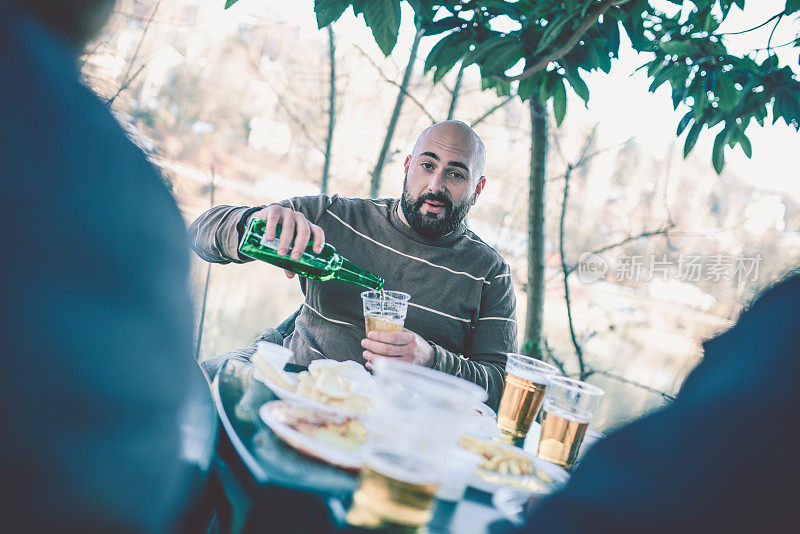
<point x="327" y="265"/>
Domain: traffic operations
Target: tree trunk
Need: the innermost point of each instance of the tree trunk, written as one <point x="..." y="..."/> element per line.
<point x="331" y="111"/>
<point x="375" y="182"/>
<point x="532" y="344"/>
<point x="456" y="91"/>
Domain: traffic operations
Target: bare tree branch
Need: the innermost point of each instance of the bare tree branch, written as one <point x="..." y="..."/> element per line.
<point x="582" y="158"/>
<point x="632" y="383"/>
<point x="455" y="92"/>
<point x="331" y="110"/>
<point x="126" y="78"/>
<point x="282" y="101"/>
<point x="125" y="85"/>
<point x="492" y="110"/>
<point x="773" y="17"/>
<point x="392" y="82"/>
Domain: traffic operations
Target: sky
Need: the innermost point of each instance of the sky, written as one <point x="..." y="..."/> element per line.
<point x="620" y="101"/>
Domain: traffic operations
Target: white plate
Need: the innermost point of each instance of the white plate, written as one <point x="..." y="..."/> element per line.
<point x="559" y="475"/>
<point x="274" y="414"/>
<point x="285" y="394"/>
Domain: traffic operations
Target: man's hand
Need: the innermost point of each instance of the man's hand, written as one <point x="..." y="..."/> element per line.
<point x="405" y="345"/>
<point x="294" y="228"/>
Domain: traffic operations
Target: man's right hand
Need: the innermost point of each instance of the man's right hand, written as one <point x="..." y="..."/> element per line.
<point x="294" y="228"/>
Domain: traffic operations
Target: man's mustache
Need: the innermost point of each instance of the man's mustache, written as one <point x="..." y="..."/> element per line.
<point x="435" y="197"/>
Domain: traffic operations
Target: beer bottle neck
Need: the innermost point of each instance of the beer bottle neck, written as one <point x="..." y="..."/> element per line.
<point x="352" y="273"/>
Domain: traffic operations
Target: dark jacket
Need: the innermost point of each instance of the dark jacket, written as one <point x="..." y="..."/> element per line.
<point x="95" y="314"/>
<point x="722" y="458"/>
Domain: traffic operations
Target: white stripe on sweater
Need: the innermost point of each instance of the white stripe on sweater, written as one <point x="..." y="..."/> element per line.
<point x="476" y="278"/>
<point x="329" y="319"/>
<point x="439" y="313"/>
<point x="497" y="319"/>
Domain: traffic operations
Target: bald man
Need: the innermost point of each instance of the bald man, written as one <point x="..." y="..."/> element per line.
<point x="461" y="318"/>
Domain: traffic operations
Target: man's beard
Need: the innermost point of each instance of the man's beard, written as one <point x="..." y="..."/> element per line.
<point x="432" y="226"/>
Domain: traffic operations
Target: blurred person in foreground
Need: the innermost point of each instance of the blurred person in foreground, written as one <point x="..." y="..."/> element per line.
<point x="722" y="458"/>
<point x="96" y="317"/>
<point x="461" y="319"/>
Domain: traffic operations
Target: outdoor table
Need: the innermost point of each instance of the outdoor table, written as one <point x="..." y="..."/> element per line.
<point x="271" y="462"/>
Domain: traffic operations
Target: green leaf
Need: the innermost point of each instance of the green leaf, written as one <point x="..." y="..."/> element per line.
<point x="502" y="57"/>
<point x="711" y="23"/>
<point x="327" y="11"/>
<point x="747" y="148"/>
<point x="560" y="101"/>
<point x="442" y="25"/>
<point x="383" y="18"/>
<point x="718" y="153"/>
<point x="684" y="123"/>
<point x="578" y="85"/>
<point x="726" y="92"/>
<point x="552" y="31"/>
<point x="680" y="48"/>
<point x="423" y="11"/>
<point x="527" y="86"/>
<point x="229" y="3"/>
<point x="501" y="88"/>
<point x="449" y="55"/>
<point x="691" y="138"/>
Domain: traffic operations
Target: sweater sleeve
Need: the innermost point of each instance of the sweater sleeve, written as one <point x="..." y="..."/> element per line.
<point x="487" y="374"/>
<point x="493" y="336"/>
<point x="214" y="235"/>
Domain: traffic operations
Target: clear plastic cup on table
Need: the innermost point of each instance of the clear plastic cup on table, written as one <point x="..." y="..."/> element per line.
<point x="525" y="385"/>
<point x="568" y="408"/>
<point x="385" y="310"/>
<point x="418" y="417"/>
<point x="461" y="464"/>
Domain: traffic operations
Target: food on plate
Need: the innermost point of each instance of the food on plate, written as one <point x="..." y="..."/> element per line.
<point x="271" y="373"/>
<point x="343" y="432"/>
<point x="503" y="460"/>
<point x="332" y="384"/>
<point x="527" y="482"/>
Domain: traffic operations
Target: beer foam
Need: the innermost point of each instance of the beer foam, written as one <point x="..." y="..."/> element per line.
<point x="525" y="373"/>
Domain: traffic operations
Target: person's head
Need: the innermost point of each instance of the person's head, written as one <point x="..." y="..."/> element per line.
<point x="443" y="178"/>
<point x="76" y="21"/>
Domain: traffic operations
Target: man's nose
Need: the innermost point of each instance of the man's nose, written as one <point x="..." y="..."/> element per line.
<point x="436" y="182"/>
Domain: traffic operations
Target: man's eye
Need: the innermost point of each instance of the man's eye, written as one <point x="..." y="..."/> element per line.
<point x="426" y="165"/>
<point x="457" y="175"/>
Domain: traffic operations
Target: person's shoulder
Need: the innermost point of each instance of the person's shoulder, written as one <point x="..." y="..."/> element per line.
<point x="475" y="244"/>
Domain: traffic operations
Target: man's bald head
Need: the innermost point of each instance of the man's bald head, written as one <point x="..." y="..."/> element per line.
<point x="456" y="135"/>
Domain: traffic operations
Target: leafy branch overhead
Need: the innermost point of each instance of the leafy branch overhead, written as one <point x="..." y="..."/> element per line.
<point x="534" y="48"/>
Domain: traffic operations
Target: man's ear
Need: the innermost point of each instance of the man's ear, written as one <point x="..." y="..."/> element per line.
<point x="479" y="188"/>
<point x="406" y="163"/>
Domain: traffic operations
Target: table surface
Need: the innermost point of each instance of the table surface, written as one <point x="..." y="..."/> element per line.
<point x="238" y="397"/>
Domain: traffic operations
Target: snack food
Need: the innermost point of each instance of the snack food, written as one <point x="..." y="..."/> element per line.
<point x="341" y="432"/>
<point x="332" y="384"/>
<point x="503" y="460"/>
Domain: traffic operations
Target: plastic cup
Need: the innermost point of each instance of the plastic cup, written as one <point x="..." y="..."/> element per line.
<point x="523" y="393"/>
<point x="568" y="407"/>
<point x="385" y="310"/>
<point x="418" y="416"/>
<point x="457" y="474"/>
